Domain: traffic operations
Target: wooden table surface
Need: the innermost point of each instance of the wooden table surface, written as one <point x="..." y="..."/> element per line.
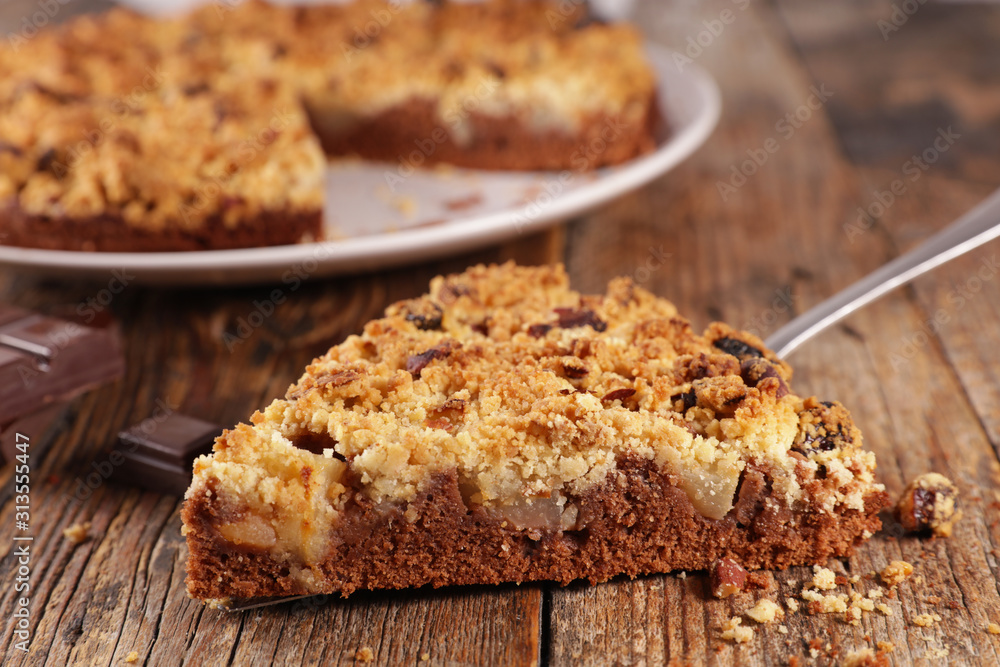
<point x="919" y="370"/>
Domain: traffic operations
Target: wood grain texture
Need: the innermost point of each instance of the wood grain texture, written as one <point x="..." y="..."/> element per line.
<point x="919" y="370"/>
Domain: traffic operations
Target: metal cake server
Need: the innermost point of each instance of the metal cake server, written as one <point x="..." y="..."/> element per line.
<point x="973" y="229"/>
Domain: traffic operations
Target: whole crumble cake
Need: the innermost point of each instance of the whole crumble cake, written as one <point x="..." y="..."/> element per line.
<point x="120" y="132"/>
<point x="504" y="428"/>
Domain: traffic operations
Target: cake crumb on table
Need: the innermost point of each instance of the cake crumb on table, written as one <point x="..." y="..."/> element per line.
<point x="77" y="533"/>
<point x="765" y="611"/>
<point x="895" y="572"/>
<point x="993" y="629"/>
<point x="424" y="657"/>
<point x="884" y="608"/>
<point x="886" y="647"/>
<point x="825" y="604"/>
<point x="824" y="578"/>
<point x="365" y="654"/>
<point x="926" y="620"/>
<point x="734" y="630"/>
<point x="132" y="657"/>
<point x="792" y="604"/>
<point x="860" y="658"/>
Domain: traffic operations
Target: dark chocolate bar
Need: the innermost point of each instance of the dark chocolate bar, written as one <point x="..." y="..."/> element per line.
<point x="45" y="361"/>
<point x="157" y="453"/>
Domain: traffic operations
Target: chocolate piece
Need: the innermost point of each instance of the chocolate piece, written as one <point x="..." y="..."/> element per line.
<point x="418" y="362"/>
<point x="573" y="371"/>
<point x="569" y="319"/>
<point x="158" y="452"/>
<point x="930" y="502"/>
<point x="539" y="330"/>
<point x="689" y="398"/>
<point x="737" y="348"/>
<point x="755" y="369"/>
<point x="46" y="361"/>
<point x="425" y="315"/>
<point x="618" y="394"/>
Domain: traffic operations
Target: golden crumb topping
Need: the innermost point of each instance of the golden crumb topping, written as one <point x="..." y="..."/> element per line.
<point x="169" y="122"/>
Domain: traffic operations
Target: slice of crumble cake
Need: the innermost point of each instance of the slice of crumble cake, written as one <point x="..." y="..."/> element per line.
<point x="504" y="428"/>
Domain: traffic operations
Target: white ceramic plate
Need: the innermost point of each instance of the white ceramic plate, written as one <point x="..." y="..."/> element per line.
<point x="430" y="213"/>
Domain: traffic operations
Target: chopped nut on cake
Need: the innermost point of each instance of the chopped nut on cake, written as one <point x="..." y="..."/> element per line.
<point x="504" y="428"/>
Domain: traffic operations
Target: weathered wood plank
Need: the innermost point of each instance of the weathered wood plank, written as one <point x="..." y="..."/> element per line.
<point x="779" y="241"/>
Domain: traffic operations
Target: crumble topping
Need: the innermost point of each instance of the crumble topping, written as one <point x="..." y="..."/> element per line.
<point x="531" y="392"/>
